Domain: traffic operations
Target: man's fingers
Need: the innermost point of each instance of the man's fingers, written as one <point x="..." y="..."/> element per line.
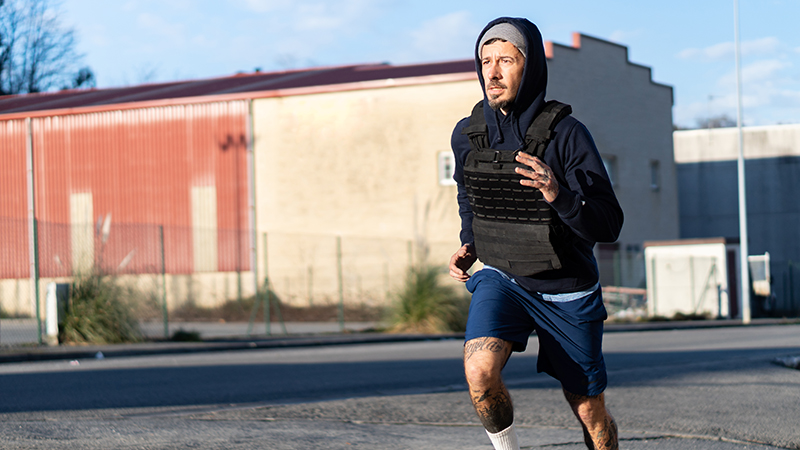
<point x="533" y="175"/>
<point x="458" y="274"/>
<point x="527" y="159"/>
<point x="462" y="257"/>
<point x="531" y="161"/>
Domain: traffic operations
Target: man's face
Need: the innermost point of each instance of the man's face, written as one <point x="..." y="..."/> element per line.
<point x="502" y="66"/>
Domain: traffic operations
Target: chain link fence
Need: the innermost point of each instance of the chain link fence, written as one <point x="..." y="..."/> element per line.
<point x="186" y="278"/>
<point x="201" y="280"/>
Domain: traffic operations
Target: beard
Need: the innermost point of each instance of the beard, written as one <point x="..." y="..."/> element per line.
<point x="494" y="102"/>
<point x="505" y="105"/>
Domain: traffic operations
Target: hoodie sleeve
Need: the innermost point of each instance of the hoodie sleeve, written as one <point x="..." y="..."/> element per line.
<point x="586" y="201"/>
<point x="460" y="145"/>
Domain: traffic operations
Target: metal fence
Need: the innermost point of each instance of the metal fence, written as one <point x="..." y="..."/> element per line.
<point x="201" y="279"/>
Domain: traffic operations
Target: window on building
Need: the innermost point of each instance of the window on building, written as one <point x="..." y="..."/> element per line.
<point x="655" y="175"/>
<point x="610" y="162"/>
<point x="447" y="167"/>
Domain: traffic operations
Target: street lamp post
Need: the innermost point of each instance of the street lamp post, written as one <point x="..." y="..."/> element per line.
<point x="743" y="250"/>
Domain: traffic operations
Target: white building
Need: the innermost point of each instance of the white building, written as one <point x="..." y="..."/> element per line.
<point x="708" y="196"/>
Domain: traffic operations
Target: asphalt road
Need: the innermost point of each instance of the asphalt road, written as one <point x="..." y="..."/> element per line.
<point x="696" y="388"/>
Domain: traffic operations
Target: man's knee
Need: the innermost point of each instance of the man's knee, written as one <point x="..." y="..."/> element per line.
<point x="481" y="375"/>
<point x="586" y="408"/>
<point x="484" y="358"/>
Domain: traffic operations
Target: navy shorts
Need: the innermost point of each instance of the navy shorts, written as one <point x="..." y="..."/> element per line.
<point x="570" y="333"/>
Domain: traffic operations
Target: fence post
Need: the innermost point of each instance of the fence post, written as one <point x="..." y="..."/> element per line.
<point x="310" y="285"/>
<point x="266" y="287"/>
<point x="164" y="313"/>
<point x="791" y="286"/>
<point x="33" y="232"/>
<point x="655" y="286"/>
<point x="341" y="287"/>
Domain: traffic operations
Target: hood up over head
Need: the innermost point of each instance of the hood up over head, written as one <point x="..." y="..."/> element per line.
<point x="531" y="93"/>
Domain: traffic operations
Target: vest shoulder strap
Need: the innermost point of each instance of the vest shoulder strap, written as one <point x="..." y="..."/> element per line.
<point x="539" y="133"/>
<point x="477" y="130"/>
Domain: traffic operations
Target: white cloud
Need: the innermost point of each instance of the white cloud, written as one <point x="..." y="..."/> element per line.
<point x="723" y="50"/>
<point x="446" y="37"/>
<point x="788" y="98"/>
<point x="315" y="15"/>
<point x="625" y="37"/>
<point x="130" y="5"/>
<point x="713" y="52"/>
<point x="770" y="94"/>
<point x="261" y="6"/>
<point x="757" y="73"/>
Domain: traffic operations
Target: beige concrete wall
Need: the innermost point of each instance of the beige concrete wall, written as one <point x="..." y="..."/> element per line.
<point x="361" y="165"/>
<point x="82" y="231"/>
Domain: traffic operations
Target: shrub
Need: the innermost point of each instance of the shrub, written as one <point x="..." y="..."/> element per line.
<point x="424" y="305"/>
<point x="101" y="311"/>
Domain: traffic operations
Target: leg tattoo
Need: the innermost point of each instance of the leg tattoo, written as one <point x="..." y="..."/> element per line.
<point x="491" y="344"/>
<point x="607" y="437"/>
<point x="484" y="358"/>
<point x="599" y="427"/>
<point x="494" y="409"/>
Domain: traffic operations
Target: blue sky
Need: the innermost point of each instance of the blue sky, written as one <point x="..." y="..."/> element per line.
<point x="688" y="44"/>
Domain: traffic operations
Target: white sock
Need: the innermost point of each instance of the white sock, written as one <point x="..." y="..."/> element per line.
<point x="505" y="440"/>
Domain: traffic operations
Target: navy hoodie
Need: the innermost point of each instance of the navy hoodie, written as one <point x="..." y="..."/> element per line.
<point x="585" y="202"/>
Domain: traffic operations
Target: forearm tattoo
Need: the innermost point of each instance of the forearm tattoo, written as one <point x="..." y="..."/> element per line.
<point x="494" y="408"/>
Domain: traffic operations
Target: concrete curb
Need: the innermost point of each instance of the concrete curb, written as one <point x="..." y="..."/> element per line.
<point x="43" y="353"/>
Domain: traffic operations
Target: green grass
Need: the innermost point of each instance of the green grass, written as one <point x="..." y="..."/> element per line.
<point x="101" y="311"/>
<point x="425" y="305"/>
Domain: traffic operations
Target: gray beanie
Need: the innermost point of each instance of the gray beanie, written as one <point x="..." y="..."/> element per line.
<point x="506" y="32"/>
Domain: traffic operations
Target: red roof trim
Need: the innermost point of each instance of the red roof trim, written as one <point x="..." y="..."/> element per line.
<point x="308" y="90"/>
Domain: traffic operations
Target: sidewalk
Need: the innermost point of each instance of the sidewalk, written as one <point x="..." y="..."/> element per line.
<point x="232" y="336"/>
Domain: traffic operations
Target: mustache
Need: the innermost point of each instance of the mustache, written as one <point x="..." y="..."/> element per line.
<point x="496" y="84"/>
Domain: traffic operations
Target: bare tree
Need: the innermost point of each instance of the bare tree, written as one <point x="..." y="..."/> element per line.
<point x="37" y="53"/>
<point x="721" y="121"/>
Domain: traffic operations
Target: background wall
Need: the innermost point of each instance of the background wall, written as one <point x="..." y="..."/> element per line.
<point x="707" y="177"/>
<point x="630" y="118"/>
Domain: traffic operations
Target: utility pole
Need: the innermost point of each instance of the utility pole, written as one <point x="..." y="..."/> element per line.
<point x="743" y="248"/>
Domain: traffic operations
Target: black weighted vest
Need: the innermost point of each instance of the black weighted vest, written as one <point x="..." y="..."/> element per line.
<point x="515" y="229"/>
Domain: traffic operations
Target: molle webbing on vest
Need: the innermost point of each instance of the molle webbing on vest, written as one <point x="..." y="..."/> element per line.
<point x="514" y="227"/>
<point x="521" y="249"/>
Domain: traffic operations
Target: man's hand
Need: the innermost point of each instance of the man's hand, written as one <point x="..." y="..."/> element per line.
<point x="461" y="261"/>
<point x="540" y="176"/>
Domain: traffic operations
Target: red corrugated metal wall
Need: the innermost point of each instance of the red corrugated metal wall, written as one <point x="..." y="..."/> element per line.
<point x="13" y="201"/>
<point x="139" y="166"/>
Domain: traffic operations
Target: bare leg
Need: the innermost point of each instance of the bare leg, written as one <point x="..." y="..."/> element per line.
<point x="484" y="358"/>
<point x="599" y="428"/>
